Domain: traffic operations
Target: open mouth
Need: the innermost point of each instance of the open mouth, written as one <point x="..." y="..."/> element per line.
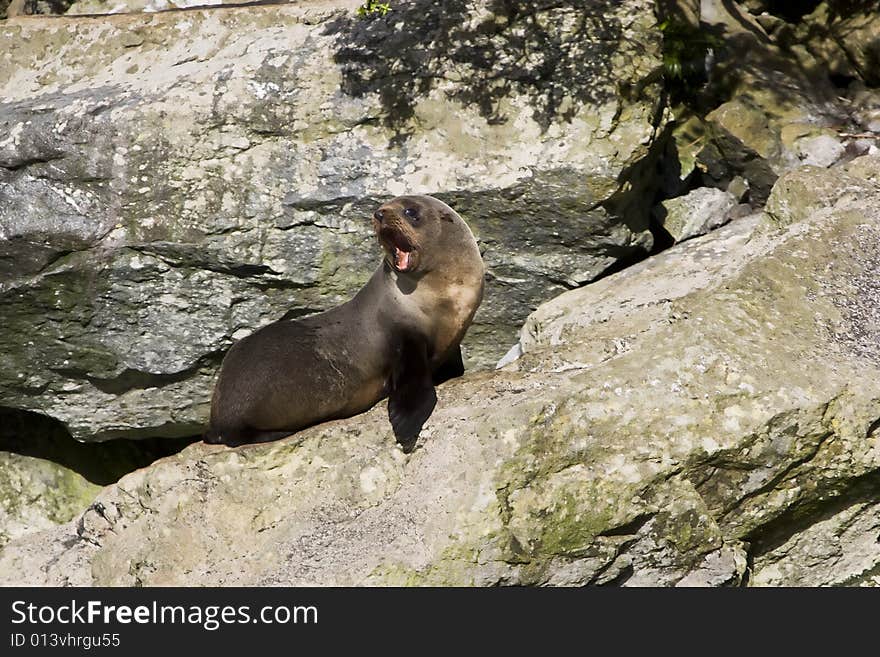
<point x="403" y="254"/>
<point x="402" y="259"/>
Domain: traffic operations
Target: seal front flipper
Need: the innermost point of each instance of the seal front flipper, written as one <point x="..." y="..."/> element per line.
<point x="451" y="368"/>
<point x="411" y="395"/>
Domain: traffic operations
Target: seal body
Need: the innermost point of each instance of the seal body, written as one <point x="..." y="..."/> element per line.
<point x="397" y="337"/>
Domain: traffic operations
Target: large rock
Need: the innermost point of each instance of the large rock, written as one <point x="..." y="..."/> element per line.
<point x="36" y="494"/>
<point x="707" y="417"/>
<point x="170" y="182"/>
<point x="12" y="8"/>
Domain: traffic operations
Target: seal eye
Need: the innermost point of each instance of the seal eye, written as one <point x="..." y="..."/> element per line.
<point x="412" y="214"/>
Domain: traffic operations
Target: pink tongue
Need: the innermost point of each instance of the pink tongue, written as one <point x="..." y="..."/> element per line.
<point x="401" y="259"/>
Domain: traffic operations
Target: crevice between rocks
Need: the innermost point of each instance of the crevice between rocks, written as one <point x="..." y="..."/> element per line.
<point x="800" y="517"/>
<point x="783" y="475"/>
<point x="39" y="436"/>
<point x="620" y="578"/>
<point x="643" y="182"/>
<point x="129" y="379"/>
<point x="26" y="162"/>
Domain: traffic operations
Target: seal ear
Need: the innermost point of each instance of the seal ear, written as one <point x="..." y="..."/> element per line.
<point x="411" y="397"/>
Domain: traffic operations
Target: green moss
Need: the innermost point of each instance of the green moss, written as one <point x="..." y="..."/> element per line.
<point x="575" y="518"/>
<point x="458" y="565"/>
<point x="35" y="493"/>
<point x="72" y="494"/>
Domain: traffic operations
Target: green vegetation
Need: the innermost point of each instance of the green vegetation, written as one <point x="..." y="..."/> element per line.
<point x="685" y="48"/>
<point x="687" y="51"/>
<point x="373" y="8"/>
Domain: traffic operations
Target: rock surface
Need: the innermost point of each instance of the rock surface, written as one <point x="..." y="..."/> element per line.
<point x="707" y="417"/>
<point x="169" y="182"/>
<point x="697" y="212"/>
<point x="47" y="478"/>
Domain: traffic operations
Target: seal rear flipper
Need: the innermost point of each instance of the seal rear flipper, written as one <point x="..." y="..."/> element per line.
<point x="411" y="397"/>
<point x="212" y="437"/>
<point x="451" y="368"/>
<point x="242" y="436"/>
<point x="230" y="438"/>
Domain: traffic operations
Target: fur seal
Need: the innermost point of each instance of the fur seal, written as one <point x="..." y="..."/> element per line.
<point x="398" y="337"/>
